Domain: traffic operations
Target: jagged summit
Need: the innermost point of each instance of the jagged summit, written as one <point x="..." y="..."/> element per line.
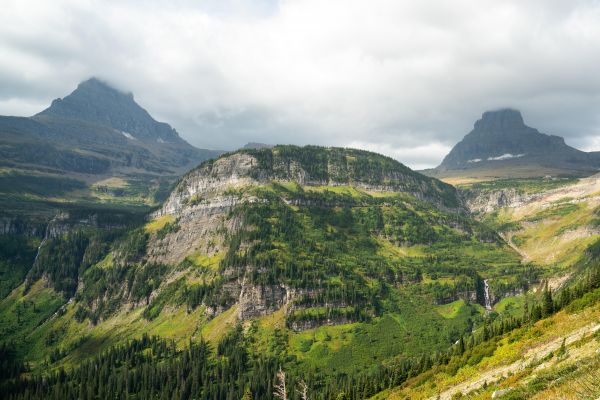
<point x="97" y="101"/>
<point x="501" y="139"/>
<point x="97" y="129"/>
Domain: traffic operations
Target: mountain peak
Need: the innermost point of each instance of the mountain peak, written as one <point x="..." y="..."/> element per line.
<point x="500" y="120"/>
<point x="100" y="87"/>
<point x="501" y="137"/>
<point x="95" y="101"/>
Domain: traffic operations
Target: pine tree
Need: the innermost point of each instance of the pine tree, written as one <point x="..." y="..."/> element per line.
<point x="548" y="304"/>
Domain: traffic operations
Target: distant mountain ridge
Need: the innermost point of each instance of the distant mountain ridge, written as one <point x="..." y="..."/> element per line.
<point x="97" y="102"/>
<point x="97" y="129"/>
<point x="500" y="139"/>
<point x="256" y="145"/>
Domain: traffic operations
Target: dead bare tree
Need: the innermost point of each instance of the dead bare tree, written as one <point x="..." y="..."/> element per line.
<point x="303" y="390"/>
<point x="280" y="389"/>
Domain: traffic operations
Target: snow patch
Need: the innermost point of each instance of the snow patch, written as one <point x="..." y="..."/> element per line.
<point x="128" y="135"/>
<point x="474" y="160"/>
<point x="159" y="140"/>
<point x="505" y="157"/>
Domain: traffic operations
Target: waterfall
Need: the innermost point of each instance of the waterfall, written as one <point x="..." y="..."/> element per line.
<point x="41" y="244"/>
<point x="486" y="293"/>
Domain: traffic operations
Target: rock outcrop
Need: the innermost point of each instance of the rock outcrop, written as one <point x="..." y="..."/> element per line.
<point x="488" y="201"/>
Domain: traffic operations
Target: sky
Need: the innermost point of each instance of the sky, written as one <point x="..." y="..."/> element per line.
<point x="404" y="78"/>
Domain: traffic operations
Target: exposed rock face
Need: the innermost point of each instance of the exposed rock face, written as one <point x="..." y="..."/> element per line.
<point x="256" y="301"/>
<point x="483" y="201"/>
<point x="16" y="226"/>
<point x="501" y="138"/>
<point x="61" y="224"/>
<point x="488" y="201"/>
<point x="209" y="182"/>
<point x="328" y="167"/>
<point x="300" y="326"/>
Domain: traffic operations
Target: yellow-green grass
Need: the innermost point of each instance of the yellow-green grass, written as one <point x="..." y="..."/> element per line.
<point x="492" y="174"/>
<point x="512" y="305"/>
<point x="106" y="262"/>
<point x="217" y="327"/>
<point x="287" y="185"/>
<point x="342" y="189"/>
<point x="556" y="240"/>
<point x="159" y="223"/>
<point x="84" y="339"/>
<point x="450" y="310"/>
<point x="112" y="182"/>
<point x="320" y="344"/>
<point x="202" y="260"/>
<point x="265" y="328"/>
<point x="388" y="249"/>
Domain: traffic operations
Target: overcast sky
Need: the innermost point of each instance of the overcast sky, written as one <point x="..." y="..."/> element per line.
<point x="404" y="78"/>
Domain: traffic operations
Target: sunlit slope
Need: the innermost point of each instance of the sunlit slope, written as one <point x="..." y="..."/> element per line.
<point x="315" y="269"/>
<point x="530" y="362"/>
<point x="550" y="222"/>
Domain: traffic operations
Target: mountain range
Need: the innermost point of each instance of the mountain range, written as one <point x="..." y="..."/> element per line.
<point x="158" y="270"/>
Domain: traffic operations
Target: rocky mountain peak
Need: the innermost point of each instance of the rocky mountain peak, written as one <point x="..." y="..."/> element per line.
<point x="501" y="138"/>
<point x="97" y="87"/>
<point x="505" y="119"/>
<point x="95" y="101"/>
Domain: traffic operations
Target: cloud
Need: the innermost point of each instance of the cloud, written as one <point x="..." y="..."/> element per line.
<point x="407" y="79"/>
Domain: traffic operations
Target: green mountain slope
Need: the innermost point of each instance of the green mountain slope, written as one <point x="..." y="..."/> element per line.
<point x="330" y="261"/>
<point x="549" y="351"/>
<point x="344" y="268"/>
<point x="553" y="224"/>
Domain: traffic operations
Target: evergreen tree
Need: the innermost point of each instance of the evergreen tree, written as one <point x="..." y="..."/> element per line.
<point x="548" y="303"/>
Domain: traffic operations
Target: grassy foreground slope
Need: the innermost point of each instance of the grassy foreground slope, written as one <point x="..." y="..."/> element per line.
<point x="552" y="223"/>
<point x="556" y="357"/>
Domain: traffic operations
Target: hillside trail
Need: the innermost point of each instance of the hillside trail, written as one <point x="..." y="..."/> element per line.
<point x="534" y="354"/>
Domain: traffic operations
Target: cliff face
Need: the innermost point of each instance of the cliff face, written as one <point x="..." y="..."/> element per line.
<point x="204" y="214"/>
<point x="488" y="201"/>
<point x="204" y="197"/>
<point x="311" y="166"/>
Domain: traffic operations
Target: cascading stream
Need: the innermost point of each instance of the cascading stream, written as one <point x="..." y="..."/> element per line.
<point x="41" y="245"/>
<point x="486" y="293"/>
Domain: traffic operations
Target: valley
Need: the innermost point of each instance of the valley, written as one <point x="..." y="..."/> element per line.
<point x="299" y="200"/>
<point x="342" y="267"/>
